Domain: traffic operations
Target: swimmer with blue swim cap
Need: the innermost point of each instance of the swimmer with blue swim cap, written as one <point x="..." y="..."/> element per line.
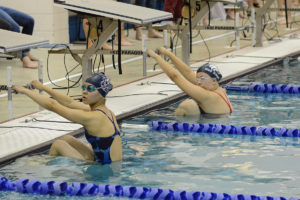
<point x="100" y="125"/>
<point x="211" y="70"/>
<point x="101" y="83"/>
<point x="203" y="86"/>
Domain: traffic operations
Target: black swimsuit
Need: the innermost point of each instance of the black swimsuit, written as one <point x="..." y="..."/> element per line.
<point x="201" y="110"/>
<point x="101" y="146"/>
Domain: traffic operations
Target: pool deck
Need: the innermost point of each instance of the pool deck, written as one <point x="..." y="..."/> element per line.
<point x="129" y="99"/>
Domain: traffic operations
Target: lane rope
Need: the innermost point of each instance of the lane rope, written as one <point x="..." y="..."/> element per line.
<point x="224" y="129"/>
<point x="53" y="188"/>
<point x="266" y="88"/>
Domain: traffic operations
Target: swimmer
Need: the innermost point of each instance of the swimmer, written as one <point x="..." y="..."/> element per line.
<point x="100" y="125"/>
<point x="202" y="86"/>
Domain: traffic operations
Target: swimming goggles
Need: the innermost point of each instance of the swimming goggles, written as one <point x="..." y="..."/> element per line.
<point x="201" y="78"/>
<point x="89" y="88"/>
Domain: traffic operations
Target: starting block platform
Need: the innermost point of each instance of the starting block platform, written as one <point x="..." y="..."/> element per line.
<point x="12" y="42"/>
<point x="105" y="17"/>
<point x="115" y="10"/>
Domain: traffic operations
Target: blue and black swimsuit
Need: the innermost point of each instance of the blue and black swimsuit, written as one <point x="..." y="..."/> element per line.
<point x="101" y="145"/>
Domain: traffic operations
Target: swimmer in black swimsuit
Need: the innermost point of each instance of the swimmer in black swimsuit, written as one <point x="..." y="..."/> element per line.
<point x="101" y="128"/>
<point x="203" y="86"/>
<point x="101" y="145"/>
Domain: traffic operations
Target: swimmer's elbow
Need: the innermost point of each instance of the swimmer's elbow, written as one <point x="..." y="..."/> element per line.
<point x="174" y="77"/>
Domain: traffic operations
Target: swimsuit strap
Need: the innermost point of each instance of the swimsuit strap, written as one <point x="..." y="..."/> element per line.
<point x="111" y="119"/>
<point x="225" y="99"/>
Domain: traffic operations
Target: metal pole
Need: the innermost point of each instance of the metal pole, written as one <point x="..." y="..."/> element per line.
<point x="165" y="41"/>
<point x="190" y="26"/>
<point x="86" y="68"/>
<point x="185" y="51"/>
<point x="90" y="67"/>
<point x="144" y="55"/>
<point x="253" y="24"/>
<point x="237" y="21"/>
<point x="41" y="77"/>
<point x="9" y="93"/>
<point x="41" y="73"/>
<point x="165" y="38"/>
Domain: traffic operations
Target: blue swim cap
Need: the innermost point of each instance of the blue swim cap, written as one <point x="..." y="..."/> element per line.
<point x="211" y="70"/>
<point x="101" y="82"/>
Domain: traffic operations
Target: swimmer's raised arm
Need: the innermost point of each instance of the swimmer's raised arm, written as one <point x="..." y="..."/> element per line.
<point x="189" y="88"/>
<point x="166" y="67"/>
<point x="184" y="69"/>
<point x="74" y="115"/>
<point x="60" y="97"/>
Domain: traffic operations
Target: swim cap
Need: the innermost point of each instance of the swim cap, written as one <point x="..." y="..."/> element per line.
<point x="211" y="70"/>
<point x="101" y="82"/>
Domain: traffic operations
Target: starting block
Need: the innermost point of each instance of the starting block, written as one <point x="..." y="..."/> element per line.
<point x="106" y="16"/>
<point x="12" y="43"/>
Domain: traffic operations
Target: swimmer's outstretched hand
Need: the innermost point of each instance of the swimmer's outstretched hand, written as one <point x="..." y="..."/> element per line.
<point x="37" y="85"/>
<point x="151" y="53"/>
<point x="162" y="50"/>
<point x="19" y="89"/>
<point x="157" y="52"/>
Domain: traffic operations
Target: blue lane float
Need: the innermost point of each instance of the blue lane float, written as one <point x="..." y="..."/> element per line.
<point x="224" y="129"/>
<point x="53" y="188"/>
<point x="266" y="88"/>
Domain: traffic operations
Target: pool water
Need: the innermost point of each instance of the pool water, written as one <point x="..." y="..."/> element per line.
<point x="203" y="162"/>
